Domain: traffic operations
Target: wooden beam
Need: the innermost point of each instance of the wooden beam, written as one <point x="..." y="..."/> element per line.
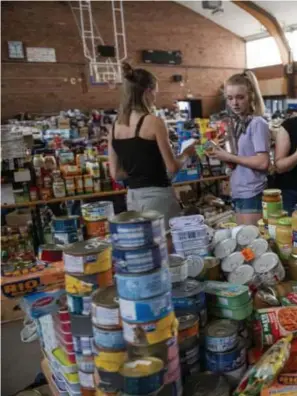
<point x="271" y="24"/>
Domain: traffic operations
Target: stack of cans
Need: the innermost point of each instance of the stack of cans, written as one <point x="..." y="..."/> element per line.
<point x="66" y="230"/>
<point x="140" y="260"/>
<point x="96" y="216"/>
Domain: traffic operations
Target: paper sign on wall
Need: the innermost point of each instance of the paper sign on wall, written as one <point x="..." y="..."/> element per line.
<point x="39" y="54"/>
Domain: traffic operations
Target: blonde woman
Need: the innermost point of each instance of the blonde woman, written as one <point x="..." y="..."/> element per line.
<point x="139" y="148"/>
<point x="251" y="133"/>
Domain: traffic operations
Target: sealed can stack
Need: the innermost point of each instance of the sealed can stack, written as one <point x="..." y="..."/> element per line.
<point x="66" y="230"/>
<point x="88" y="266"/>
<point x="143" y="284"/>
<point x="96" y="216"/>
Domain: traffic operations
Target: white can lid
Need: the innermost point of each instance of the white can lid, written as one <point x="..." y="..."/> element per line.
<point x="247" y="235"/>
<point x="242" y="275"/>
<point x="259" y="247"/>
<point x="231" y="262"/>
<point x="266" y="262"/>
<point x="225" y="248"/>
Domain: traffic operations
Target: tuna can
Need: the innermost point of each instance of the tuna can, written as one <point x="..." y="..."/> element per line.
<point x="80" y="305"/>
<point x="135" y="229"/>
<point x="138" y="287"/>
<point x="86" y="379"/>
<point x="230" y="263"/>
<point x="225" y="248"/>
<point x="142" y="376"/>
<point x="97" y="210"/>
<point x="188" y="326"/>
<point x="108" y="338"/>
<point x="151" y="332"/>
<point x="247" y="235"/>
<point x="220" y="235"/>
<point x="222" y="362"/>
<point x="109" y="360"/>
<point x="224" y="294"/>
<point x="50" y="253"/>
<point x="166" y="350"/>
<point x="189" y="352"/>
<point x="269" y="269"/>
<point x="236" y="313"/>
<point x="88" y="257"/>
<point x="105" y="308"/>
<point x="188" y="296"/>
<point x="193" y="369"/>
<point x="178" y="268"/>
<point x="81" y="284"/>
<point x="148" y="310"/>
<point x="113" y="378"/>
<point x="97" y="228"/>
<point x="195" y="265"/>
<point x="207" y="384"/>
<point x="81" y="325"/>
<point x="259" y="247"/>
<point x="244" y="275"/>
<point x="66" y="238"/>
<point x="83" y="345"/>
<point x="105" y="389"/>
<point x="139" y="260"/>
<point x="221" y="336"/>
<point x="85" y="363"/>
<point x="66" y="224"/>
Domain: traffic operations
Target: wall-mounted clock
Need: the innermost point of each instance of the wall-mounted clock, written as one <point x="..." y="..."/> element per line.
<point x="16" y="50"/>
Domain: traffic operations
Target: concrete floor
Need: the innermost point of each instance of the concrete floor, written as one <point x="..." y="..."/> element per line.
<point x="20" y="362"/>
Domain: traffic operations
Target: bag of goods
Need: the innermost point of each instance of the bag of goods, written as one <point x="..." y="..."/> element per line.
<point x="271" y="324"/>
<point x="264" y="372"/>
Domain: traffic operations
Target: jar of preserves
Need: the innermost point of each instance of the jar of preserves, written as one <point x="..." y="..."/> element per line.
<point x="58" y="185"/>
<point x="292" y="267"/>
<point x="70" y="186"/>
<point x="271" y="203"/>
<point x="79" y="185"/>
<point x="88" y="183"/>
<point x="294" y="231"/>
<point x="50" y="162"/>
<point x="273" y="219"/>
<point x="33" y="191"/>
<point x="38" y="164"/>
<point x="284" y="237"/>
<point x="97" y="184"/>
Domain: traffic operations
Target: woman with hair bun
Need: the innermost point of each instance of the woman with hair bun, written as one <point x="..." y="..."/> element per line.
<point x="139" y="148"/>
<point x="252" y="138"/>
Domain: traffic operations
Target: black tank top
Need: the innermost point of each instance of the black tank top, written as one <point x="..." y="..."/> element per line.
<point x="141" y="159"/>
<point x="288" y="180"/>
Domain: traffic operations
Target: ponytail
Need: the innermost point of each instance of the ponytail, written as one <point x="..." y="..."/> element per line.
<point x="248" y="79"/>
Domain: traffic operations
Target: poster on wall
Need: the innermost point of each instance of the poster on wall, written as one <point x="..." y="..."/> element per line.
<point x="39" y="54"/>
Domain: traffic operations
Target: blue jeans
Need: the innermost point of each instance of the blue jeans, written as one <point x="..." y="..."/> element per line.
<point x="248" y="205"/>
<point x="289" y="200"/>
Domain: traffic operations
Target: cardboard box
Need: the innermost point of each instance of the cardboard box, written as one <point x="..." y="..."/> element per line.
<point x="63" y="123"/>
<point x="279" y="390"/>
<point x="50" y="278"/>
<point x="19" y="217"/>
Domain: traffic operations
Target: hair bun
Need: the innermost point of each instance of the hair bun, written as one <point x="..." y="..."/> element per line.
<point x="127" y="71"/>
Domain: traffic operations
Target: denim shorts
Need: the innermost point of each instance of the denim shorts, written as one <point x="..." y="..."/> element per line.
<point x="248" y="205"/>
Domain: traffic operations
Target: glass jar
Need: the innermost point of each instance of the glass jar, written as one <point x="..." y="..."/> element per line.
<point x="284" y="237"/>
<point x="33" y="191"/>
<point x="292" y="267"/>
<point x="58" y="185"/>
<point x="50" y="162"/>
<point x="294" y="231"/>
<point x="70" y="186"/>
<point x="273" y="219"/>
<point x="79" y="185"/>
<point x="88" y="183"/>
<point x="38" y="164"/>
<point x="271" y="203"/>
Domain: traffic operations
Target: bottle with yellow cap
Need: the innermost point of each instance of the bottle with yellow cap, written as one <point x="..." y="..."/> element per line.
<point x="284" y="237"/>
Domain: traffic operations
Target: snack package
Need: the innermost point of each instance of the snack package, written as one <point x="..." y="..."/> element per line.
<point x="263" y="373"/>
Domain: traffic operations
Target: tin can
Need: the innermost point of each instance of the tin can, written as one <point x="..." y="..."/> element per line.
<point x="269" y="269"/>
<point x="66" y="223"/>
<point x="139" y="260"/>
<point x="147" y="310"/>
<point x="244" y="275"/>
<point x="143" y="376"/>
<point x="65" y="238"/>
<point x="81" y="325"/>
<point x="222" y="362"/>
<point x="137" y="287"/>
<point x="50" y="253"/>
<point x="196" y="265"/>
<point x="79" y="186"/>
<point x="97" y="184"/>
<point x="85" y="363"/>
<point x="80" y="305"/>
<point x="109" y="360"/>
<point x="105" y="308"/>
<point x="150" y="333"/>
<point x="189" y="356"/>
<point x="113" y="378"/>
<point x="221" y="336"/>
<point x="178" y="268"/>
<point x="225" y="248"/>
<point x="135" y="229"/>
<point x="86" y="379"/>
<point x="188" y="295"/>
<point x="211" y="270"/>
<point x="188" y="326"/>
<point x="81" y="284"/>
<point x="225" y="294"/>
<point x="247" y="235"/>
<point x="220" y="235"/>
<point x="230" y="263"/>
<point x="108" y="338"/>
<point x="97" y="228"/>
<point x="207" y="384"/>
<point x="88" y="257"/>
<point x="97" y="210"/>
<point x="236" y="313"/>
<point x="259" y="247"/>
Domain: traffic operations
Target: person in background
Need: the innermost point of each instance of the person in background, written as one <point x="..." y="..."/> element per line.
<point x="286" y="162"/>
<point x="252" y="138"/>
<point x="139" y="148"/>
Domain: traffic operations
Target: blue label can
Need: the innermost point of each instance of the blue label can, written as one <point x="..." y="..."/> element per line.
<point x="188" y="296"/>
<point x="222" y="362"/>
<point x="147" y="310"/>
<point x="221" y="335"/>
<point x="75" y="304"/>
<point x="140" y="260"/>
<point x="137" y="287"/>
<point x="110" y="339"/>
<point x="65" y="223"/>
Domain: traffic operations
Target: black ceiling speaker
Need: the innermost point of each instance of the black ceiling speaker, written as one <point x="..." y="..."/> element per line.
<point x="107" y="51"/>
<point x="211" y="5"/>
<point x="177" y="78"/>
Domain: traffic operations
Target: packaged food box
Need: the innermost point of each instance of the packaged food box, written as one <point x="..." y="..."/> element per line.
<point x="271" y="324"/>
<point x="224" y="294"/>
<point x="43" y="303"/>
<point x="50" y="278"/>
<point x="279" y="390"/>
<point x="236" y="313"/>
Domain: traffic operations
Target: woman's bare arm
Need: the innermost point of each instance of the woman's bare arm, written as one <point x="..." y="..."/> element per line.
<point x="283" y="162"/>
<point x="116" y="172"/>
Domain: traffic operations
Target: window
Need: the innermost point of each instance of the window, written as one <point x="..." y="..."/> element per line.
<point x="264" y="52"/>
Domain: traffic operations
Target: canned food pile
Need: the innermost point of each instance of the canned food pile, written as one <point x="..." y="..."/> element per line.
<point x="96" y="217"/>
<point x="143" y="283"/>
